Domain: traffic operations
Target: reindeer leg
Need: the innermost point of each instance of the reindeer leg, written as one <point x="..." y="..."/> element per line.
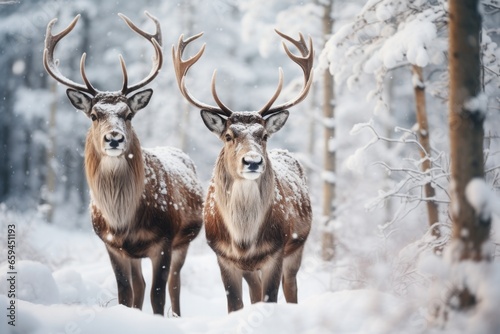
<point x="174" y="279"/>
<point x="161" y="268"/>
<point x="271" y="276"/>
<point x="255" y="285"/>
<point x="232" y="279"/>
<point x="122" y="269"/>
<point x="291" y="265"/>
<point x="138" y="283"/>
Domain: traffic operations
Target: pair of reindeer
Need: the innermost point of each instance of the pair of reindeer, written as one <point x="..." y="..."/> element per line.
<point x="148" y="202"/>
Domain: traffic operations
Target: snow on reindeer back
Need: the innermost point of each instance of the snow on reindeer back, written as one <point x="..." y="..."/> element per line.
<point x="291" y="175"/>
<point x="177" y="172"/>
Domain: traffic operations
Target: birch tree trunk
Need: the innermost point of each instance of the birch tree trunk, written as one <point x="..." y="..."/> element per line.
<point x="423" y="138"/>
<point x="470" y="228"/>
<point x="329" y="154"/>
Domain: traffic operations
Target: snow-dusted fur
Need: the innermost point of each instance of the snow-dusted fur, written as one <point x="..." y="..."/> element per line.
<point x="257" y="226"/>
<point x="116" y="185"/>
<point x="144" y="203"/>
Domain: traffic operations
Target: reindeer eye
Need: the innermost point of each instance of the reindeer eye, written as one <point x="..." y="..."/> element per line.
<point x="228" y="137"/>
<point x="129" y="117"/>
<point x="93" y="117"/>
<point x="265" y="137"/>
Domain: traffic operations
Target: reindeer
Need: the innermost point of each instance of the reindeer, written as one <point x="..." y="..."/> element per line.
<point x="257" y="212"/>
<point x="144" y="202"/>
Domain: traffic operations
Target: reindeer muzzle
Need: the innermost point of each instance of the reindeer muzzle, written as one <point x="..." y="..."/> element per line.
<point x="114" y="143"/>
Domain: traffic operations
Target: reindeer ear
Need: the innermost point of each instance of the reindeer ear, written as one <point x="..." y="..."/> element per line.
<point x="276" y="121"/>
<point x="140" y="100"/>
<point x="214" y="122"/>
<point x="80" y="100"/>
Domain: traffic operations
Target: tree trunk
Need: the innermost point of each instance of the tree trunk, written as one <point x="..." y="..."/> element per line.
<point x="329" y="154"/>
<point x="50" y="177"/>
<point x="187" y="12"/>
<point x="423" y="138"/>
<point x="311" y="143"/>
<point x="470" y="228"/>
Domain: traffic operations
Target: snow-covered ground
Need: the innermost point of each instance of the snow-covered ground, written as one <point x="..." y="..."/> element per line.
<point x="65" y="284"/>
<point x="385" y="277"/>
<point x="68" y="287"/>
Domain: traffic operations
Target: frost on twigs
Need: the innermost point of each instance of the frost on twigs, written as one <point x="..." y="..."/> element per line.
<point x="407" y="180"/>
<point x="489" y="59"/>
<point x="360" y="126"/>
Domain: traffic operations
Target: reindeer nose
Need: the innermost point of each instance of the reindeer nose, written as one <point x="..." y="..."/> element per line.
<point x="252" y="161"/>
<point x="114" y="139"/>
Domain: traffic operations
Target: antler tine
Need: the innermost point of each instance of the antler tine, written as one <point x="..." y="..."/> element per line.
<point x="51" y="65"/>
<point x="223" y="107"/>
<point x="181" y="68"/>
<point x="84" y="75"/>
<point x="131" y="25"/>
<point x="275" y="96"/>
<point x="156" y="41"/>
<point x="305" y="62"/>
<point x="124" y="72"/>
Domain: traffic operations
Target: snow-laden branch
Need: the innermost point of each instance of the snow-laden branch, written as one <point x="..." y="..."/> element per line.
<point x="385" y="34"/>
<point x="388" y="34"/>
<point x="409" y="190"/>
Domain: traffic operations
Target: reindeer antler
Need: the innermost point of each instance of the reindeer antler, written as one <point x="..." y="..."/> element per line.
<point x="181" y="69"/>
<point x="51" y="65"/>
<point x="156" y="40"/>
<point x="305" y="62"/>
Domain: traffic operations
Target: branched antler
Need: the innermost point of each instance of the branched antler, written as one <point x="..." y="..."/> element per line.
<point x="181" y="68"/>
<point x="51" y="65"/>
<point x="305" y="61"/>
<point x="156" y="41"/>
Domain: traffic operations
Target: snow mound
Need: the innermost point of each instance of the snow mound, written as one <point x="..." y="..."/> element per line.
<point x="71" y="286"/>
<point x="25" y="321"/>
<point x="34" y="283"/>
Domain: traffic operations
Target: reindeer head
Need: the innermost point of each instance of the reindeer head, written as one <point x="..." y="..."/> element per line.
<point x="245" y="137"/>
<point x="245" y="134"/>
<point x="111" y="112"/>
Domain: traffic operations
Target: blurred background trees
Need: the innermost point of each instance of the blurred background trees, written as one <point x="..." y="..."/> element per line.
<point x="371" y="173"/>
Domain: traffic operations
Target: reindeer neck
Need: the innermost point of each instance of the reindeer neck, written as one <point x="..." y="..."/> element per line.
<point x="116" y="183"/>
<point x="244" y="204"/>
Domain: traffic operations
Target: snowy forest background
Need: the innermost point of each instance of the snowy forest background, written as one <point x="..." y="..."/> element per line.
<point x="380" y="226"/>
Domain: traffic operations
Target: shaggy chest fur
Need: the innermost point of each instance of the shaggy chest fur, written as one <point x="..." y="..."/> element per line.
<point x="247" y="223"/>
<point x="138" y="240"/>
<point x="132" y="213"/>
<point x="247" y="233"/>
<point x="114" y="192"/>
<point x="243" y="210"/>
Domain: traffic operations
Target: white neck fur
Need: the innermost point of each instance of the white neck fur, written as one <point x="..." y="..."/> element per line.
<point x="244" y="211"/>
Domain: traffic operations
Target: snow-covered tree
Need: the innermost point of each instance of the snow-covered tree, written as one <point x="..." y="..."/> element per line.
<point x="470" y="211"/>
<point x="387" y="35"/>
